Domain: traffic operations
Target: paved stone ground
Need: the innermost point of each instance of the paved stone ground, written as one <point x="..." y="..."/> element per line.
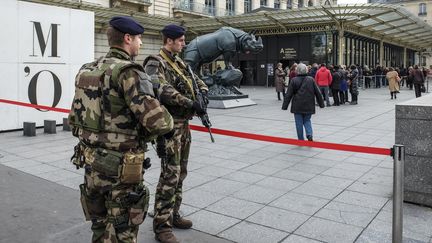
<point x="237" y="190"/>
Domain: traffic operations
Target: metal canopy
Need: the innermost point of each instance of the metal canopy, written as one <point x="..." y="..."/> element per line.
<point x="389" y="23"/>
<point x="152" y="24"/>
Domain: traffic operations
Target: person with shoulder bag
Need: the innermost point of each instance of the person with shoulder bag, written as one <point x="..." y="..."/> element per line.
<point x="303" y="91"/>
<point x="114" y="113"/>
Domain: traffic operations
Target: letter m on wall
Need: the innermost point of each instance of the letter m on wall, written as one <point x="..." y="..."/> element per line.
<point x="42" y="41"/>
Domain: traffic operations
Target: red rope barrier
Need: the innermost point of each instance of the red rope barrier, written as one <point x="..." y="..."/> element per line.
<point x="49" y="108"/>
<point x="290" y="141"/>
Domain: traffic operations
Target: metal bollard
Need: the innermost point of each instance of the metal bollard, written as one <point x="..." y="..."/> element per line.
<point x="398" y="183"/>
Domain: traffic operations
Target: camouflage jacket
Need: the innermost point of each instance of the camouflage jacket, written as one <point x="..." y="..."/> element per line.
<point x="112" y="108"/>
<point x="175" y="93"/>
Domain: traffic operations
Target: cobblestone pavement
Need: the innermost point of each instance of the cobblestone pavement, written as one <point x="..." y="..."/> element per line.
<point x="237" y="190"/>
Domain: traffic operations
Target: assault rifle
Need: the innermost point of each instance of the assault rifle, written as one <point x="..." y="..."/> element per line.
<point x="203" y="103"/>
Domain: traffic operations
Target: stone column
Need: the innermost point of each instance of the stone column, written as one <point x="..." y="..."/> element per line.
<point x="270" y="3"/>
<point x="413" y="119"/>
<point x="341" y="46"/>
<point x="381" y="53"/>
<point x="255" y="4"/>
<point x="239" y="7"/>
<point x="294" y="4"/>
<point x="405" y="58"/>
<point x="283" y="4"/>
<point x="220" y="7"/>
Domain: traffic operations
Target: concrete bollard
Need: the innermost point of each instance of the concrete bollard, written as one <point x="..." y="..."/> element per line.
<point x="50" y="126"/>
<point x="29" y="129"/>
<point x="66" y="126"/>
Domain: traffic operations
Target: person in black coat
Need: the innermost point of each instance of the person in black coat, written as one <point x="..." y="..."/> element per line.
<point x="303" y="90"/>
<point x="336" y="83"/>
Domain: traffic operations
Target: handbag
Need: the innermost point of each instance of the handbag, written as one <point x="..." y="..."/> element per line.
<point x="422" y="88"/>
<point x="286" y="81"/>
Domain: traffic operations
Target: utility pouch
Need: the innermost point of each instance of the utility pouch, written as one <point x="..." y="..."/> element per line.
<point x="93" y="205"/>
<point x="132" y="169"/>
<point x="107" y="162"/>
<point x="83" y="199"/>
<point x="139" y="207"/>
<point x="78" y="157"/>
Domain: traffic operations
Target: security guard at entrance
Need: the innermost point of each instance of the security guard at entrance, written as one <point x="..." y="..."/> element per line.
<point x="114" y="113"/>
<point x="178" y="95"/>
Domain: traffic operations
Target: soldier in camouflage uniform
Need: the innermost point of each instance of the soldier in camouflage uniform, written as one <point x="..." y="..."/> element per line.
<point x="179" y="98"/>
<point x="114" y="113"/>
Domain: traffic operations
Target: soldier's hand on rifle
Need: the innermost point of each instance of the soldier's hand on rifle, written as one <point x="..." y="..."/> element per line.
<point x="198" y="107"/>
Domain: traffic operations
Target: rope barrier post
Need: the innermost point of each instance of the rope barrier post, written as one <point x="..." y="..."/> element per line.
<point x="398" y="182"/>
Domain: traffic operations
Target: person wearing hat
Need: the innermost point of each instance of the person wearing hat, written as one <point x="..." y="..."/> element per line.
<point x="114" y="113"/>
<point x="178" y="96"/>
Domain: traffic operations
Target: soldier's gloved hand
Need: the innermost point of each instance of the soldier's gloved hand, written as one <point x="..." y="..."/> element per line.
<point x="161" y="147"/>
<point x="198" y="108"/>
<point x="169" y="135"/>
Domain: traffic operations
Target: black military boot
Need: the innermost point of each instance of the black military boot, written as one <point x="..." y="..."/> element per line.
<point x="166" y="237"/>
<point x="180" y="222"/>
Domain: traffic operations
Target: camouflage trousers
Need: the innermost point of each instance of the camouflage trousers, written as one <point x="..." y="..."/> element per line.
<point x="168" y="196"/>
<point x="105" y="201"/>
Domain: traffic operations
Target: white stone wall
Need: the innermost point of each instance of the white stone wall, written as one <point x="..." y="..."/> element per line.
<point x="104" y="3"/>
<point x="162" y="7"/>
<point x="151" y="45"/>
<point x="239" y="6"/>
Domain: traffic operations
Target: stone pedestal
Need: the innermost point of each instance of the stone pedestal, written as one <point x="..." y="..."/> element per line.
<point x="50" y="126"/>
<point x="29" y="129"/>
<point x="414" y="130"/>
<point x="230" y="103"/>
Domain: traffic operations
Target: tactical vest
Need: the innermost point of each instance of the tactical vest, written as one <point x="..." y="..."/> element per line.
<point x="97" y="103"/>
<point x="172" y="78"/>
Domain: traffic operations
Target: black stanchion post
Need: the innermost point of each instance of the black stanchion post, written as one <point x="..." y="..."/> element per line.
<point x="398" y="182"/>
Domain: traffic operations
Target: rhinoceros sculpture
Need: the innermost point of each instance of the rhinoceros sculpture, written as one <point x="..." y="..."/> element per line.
<point x="226" y="41"/>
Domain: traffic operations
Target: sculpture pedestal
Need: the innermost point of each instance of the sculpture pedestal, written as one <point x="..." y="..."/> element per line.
<point x="413" y="129"/>
<point x="229" y="101"/>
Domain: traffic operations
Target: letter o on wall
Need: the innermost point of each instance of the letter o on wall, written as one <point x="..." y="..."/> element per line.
<point x="33" y="84"/>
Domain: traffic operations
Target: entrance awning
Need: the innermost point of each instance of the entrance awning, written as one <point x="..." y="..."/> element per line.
<point x="389" y="23"/>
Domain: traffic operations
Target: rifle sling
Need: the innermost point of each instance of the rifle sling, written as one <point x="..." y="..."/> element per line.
<point x="177" y="69"/>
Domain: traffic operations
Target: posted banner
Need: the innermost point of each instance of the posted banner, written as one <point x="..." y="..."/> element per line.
<point x="42" y="49"/>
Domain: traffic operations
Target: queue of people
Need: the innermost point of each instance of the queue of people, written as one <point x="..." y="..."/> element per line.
<point x="332" y="81"/>
<point x="342" y="79"/>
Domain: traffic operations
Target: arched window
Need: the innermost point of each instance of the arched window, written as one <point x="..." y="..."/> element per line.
<point x="230" y="7"/>
<point x="422" y="9"/>
<point x="263" y="3"/>
<point x="247" y="6"/>
<point x="289" y="4"/>
<point x="300" y="4"/>
<point x="210" y="7"/>
<point x="310" y="3"/>
<point x="327" y="2"/>
<point x="276" y="4"/>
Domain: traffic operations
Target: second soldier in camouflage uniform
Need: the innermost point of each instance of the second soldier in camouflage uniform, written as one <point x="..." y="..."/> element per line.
<point x="179" y="98"/>
<point x="114" y="113"/>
